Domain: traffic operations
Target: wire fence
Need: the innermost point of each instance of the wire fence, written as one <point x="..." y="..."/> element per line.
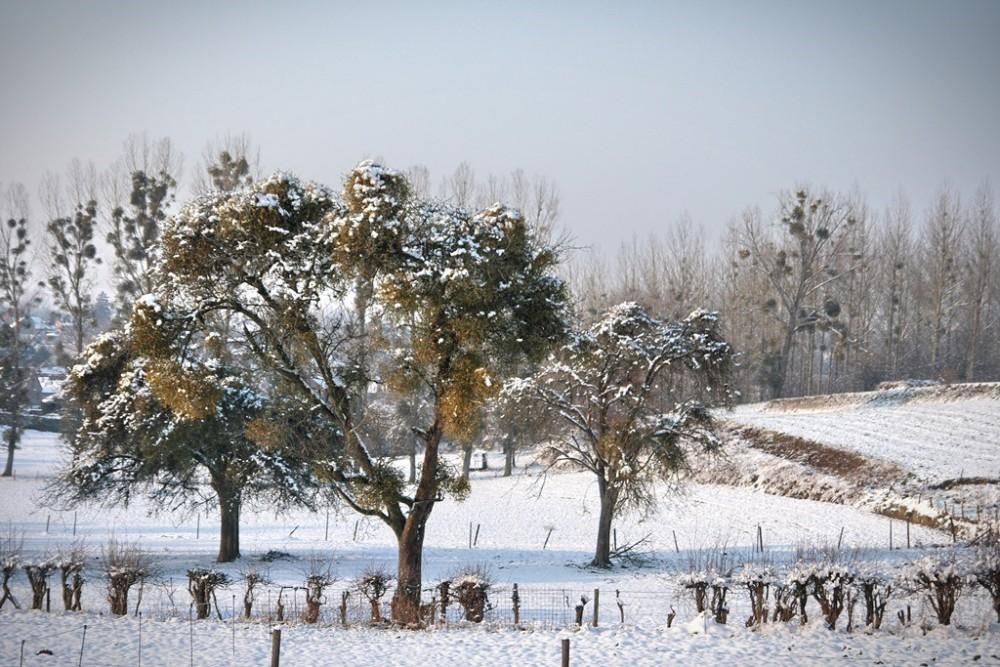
<point x="168" y="634"/>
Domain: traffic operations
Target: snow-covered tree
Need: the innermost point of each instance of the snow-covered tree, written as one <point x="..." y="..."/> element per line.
<point x="162" y="425"/>
<point x="628" y="396"/>
<point x="460" y="299"/>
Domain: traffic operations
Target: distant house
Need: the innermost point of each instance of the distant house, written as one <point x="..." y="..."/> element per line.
<point x="50" y="380"/>
<point x="34" y="392"/>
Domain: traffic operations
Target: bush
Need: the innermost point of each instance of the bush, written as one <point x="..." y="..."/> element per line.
<point x="202" y="584"/>
<point x="941" y="578"/>
<point x="71" y="562"/>
<point x="986" y="571"/>
<point x="757" y="578"/>
<point x="373" y="584"/>
<point x="38" y="578"/>
<point x="125" y="565"/>
<point x="471" y="588"/>
<point x="318" y="578"/>
<point x="11" y="545"/>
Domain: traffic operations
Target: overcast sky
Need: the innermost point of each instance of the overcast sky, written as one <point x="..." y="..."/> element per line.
<point x="639" y="111"/>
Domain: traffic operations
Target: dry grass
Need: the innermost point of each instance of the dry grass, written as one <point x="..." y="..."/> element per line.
<point x="847" y="465"/>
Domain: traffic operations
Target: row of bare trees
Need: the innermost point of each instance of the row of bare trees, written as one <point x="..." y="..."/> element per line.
<point x="824" y="294"/>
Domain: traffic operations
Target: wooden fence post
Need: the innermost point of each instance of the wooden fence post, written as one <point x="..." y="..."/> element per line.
<point x="597" y="600"/>
<point x="83" y="641"/>
<point x="516" y="599"/>
<point x="275" y="647"/>
<point x="908" y="530"/>
<point x="565" y="653"/>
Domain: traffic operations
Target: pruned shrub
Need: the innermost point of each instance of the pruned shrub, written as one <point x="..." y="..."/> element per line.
<point x="252" y="578"/>
<point x="202" y="584"/>
<point x="784" y="595"/>
<point x="941" y="578"/>
<point x="125" y="565"/>
<point x="757" y="579"/>
<point x="71" y="562"/>
<point x="709" y="572"/>
<point x="38" y="574"/>
<point x="11" y="545"/>
<point x="831" y="588"/>
<point x="374" y="584"/>
<point x="471" y="588"/>
<point x="318" y="578"/>
<point x="986" y="570"/>
<point x="875" y="589"/>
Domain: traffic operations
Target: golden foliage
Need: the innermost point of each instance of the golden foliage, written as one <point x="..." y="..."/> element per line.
<point x="461" y="402"/>
<point x="265" y="433"/>
<point x="187" y="393"/>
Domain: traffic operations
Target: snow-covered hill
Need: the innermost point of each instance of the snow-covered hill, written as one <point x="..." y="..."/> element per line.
<point x="927" y="453"/>
<point x="937" y="433"/>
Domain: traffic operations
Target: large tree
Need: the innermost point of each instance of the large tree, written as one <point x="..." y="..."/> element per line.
<point x="461" y="298"/>
<point x="802" y="259"/>
<point x="167" y="425"/>
<point x="628" y="397"/>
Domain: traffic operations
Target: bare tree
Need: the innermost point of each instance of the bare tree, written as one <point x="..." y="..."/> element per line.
<point x="982" y="252"/>
<point x="799" y="263"/>
<point x="70" y="239"/>
<point x="16" y="299"/>
<point x="230" y="162"/>
<point x="940" y="283"/>
<point x="141" y="188"/>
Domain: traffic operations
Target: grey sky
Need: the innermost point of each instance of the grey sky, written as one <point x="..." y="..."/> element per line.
<point x="639" y="111"/>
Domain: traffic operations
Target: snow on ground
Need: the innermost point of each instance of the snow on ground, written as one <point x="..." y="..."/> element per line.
<point x="513" y="515"/>
<point x="114" y="643"/>
<point x="935" y="438"/>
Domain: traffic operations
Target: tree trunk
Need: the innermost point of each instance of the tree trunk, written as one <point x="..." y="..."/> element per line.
<point x="508" y="457"/>
<point x="229" y="528"/>
<point x="413" y="464"/>
<point x="410" y="535"/>
<point x="8" y="470"/>
<point x="466" y="461"/>
<point x="609" y="498"/>
<point x="406" y="600"/>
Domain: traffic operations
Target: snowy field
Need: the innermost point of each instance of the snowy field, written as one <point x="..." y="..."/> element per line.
<point x="935" y="435"/>
<point x="514" y="516"/>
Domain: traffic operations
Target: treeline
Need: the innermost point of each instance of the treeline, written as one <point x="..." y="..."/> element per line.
<point x="822" y="294"/>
